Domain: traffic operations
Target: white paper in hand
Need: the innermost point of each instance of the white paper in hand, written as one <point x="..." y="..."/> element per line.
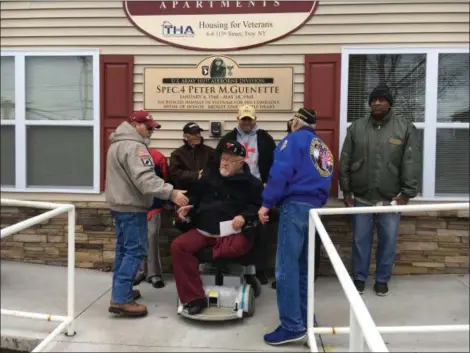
<point x="227" y="229"/>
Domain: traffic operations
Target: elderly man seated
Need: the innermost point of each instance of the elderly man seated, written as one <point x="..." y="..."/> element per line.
<point x="228" y="192"/>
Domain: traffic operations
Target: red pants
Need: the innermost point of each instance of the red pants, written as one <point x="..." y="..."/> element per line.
<point x="186" y="266"/>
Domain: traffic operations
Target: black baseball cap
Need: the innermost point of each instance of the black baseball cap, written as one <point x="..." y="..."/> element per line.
<point x="191" y="128"/>
<point x="307" y="115"/>
<point x="235" y="148"/>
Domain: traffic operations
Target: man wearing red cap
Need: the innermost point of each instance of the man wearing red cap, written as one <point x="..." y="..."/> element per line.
<point x="131" y="186"/>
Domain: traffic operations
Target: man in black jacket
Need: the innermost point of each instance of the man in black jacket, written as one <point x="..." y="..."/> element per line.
<point x="188" y="161"/>
<point x="228" y="193"/>
<point x="259" y="146"/>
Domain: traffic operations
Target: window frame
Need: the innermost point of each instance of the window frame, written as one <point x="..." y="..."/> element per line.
<point x="20" y="123"/>
<point x="430" y="124"/>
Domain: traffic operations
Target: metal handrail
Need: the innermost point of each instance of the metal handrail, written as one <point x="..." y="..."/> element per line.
<point x="67" y="322"/>
<point x="362" y="326"/>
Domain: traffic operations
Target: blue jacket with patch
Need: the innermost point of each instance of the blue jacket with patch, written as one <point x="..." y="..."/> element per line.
<point x="302" y="171"/>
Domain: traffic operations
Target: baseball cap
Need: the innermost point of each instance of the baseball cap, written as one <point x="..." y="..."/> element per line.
<point x="307" y="115"/>
<point x="247" y="111"/>
<point x="143" y="117"/>
<point x="191" y="128"/>
<point x="235" y="148"/>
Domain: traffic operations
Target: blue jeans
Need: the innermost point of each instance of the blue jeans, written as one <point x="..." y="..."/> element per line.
<point x="131" y="249"/>
<point x="363" y="235"/>
<point x="292" y="266"/>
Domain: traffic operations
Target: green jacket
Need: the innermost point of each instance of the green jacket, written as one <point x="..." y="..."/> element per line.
<point x="380" y="161"/>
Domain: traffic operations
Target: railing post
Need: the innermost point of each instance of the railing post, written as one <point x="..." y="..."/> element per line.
<point x="71" y="271"/>
<point x="356" y="337"/>
<point x="311" y="285"/>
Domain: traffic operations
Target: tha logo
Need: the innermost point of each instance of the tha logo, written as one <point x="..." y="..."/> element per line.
<point x="205" y="70"/>
<point x="169" y="30"/>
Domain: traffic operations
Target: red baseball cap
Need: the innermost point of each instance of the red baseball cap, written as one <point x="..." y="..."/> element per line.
<point x="142" y="116"/>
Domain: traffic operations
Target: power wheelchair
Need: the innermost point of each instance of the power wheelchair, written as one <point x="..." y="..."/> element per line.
<point x="231" y="285"/>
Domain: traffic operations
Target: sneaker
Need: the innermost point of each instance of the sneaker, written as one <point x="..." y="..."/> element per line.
<point x="360" y="285"/>
<point x="381" y="289"/>
<point x="157" y="282"/>
<point x="283" y="336"/>
<point x="195" y="307"/>
<point x="131" y="309"/>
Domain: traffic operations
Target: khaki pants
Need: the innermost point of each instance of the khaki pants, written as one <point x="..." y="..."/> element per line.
<point x="152" y="265"/>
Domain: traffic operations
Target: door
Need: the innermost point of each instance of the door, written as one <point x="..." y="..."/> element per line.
<point x="322" y="92"/>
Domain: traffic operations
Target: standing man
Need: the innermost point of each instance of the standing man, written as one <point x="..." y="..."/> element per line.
<point x="299" y="181"/>
<point x="131" y="185"/>
<point x="378" y="166"/>
<point x="188" y="161"/>
<point x="259" y="146"/>
<point x="151" y="268"/>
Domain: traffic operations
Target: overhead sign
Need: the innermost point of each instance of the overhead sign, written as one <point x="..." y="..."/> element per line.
<point x="218" y="84"/>
<point x="219" y="25"/>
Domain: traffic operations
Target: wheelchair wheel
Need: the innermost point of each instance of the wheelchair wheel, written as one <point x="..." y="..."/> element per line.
<point x="254" y="282"/>
<point x="251" y="303"/>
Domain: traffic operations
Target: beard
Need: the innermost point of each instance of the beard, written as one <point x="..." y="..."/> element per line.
<point x="147" y="140"/>
<point x="224" y="172"/>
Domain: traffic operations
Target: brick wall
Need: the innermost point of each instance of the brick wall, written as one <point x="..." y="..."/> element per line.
<point x="433" y="242"/>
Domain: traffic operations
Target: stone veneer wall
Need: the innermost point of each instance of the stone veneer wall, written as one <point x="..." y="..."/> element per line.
<point x="432" y="242"/>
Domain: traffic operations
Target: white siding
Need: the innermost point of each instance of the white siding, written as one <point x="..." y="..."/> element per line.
<point x="103" y="25"/>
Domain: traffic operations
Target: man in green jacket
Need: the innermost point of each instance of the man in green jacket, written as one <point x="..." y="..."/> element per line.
<point x="377" y="166"/>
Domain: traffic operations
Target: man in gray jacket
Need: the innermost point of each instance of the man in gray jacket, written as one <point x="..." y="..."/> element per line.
<point x="131" y="185"/>
<point x="378" y="165"/>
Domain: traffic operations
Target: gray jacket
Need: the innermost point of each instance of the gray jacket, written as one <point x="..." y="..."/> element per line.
<point x="131" y="182"/>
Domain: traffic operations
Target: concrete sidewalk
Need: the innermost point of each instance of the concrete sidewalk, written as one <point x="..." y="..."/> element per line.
<point x="414" y="300"/>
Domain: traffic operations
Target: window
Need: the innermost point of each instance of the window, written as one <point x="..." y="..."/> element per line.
<point x="431" y="89"/>
<point x="50" y="121"/>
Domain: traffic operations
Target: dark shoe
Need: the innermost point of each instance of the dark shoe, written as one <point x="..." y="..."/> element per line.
<point x="131" y="309"/>
<point x="273" y="285"/>
<point x="381" y="289"/>
<point x="136" y="294"/>
<point x="195" y="307"/>
<point x="157" y="282"/>
<point x="262" y="277"/>
<point x="360" y="286"/>
<point x="139" y="277"/>
<point x="282" y="336"/>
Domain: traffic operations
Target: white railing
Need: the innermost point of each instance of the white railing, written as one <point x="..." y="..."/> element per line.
<point x="362" y="326"/>
<point x="55" y="209"/>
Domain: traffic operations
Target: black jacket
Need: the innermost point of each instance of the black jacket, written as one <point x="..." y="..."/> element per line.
<point x="186" y="162"/>
<point x="217" y="199"/>
<point x="266" y="147"/>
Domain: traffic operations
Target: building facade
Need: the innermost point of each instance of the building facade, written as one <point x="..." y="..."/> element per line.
<point x="71" y="71"/>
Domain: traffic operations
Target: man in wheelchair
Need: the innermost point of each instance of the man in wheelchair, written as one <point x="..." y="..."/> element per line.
<point x="227" y="191"/>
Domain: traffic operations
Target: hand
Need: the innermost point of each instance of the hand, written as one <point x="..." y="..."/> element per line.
<point x="238" y="222"/>
<point x="199" y="175"/>
<point x="348" y="200"/>
<point x="177" y="196"/>
<point x="263" y="215"/>
<point x="401" y="199"/>
<point x="183" y="211"/>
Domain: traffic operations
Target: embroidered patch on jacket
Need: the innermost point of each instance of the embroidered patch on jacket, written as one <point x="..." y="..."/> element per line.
<point x="395" y="141"/>
<point x="146" y="161"/>
<point x="284" y="145"/>
<point x="143" y="152"/>
<point x="321" y="157"/>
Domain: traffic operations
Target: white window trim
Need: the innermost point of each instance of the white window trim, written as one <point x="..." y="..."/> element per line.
<point x="21" y="123"/>
<point x="431" y="124"/>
